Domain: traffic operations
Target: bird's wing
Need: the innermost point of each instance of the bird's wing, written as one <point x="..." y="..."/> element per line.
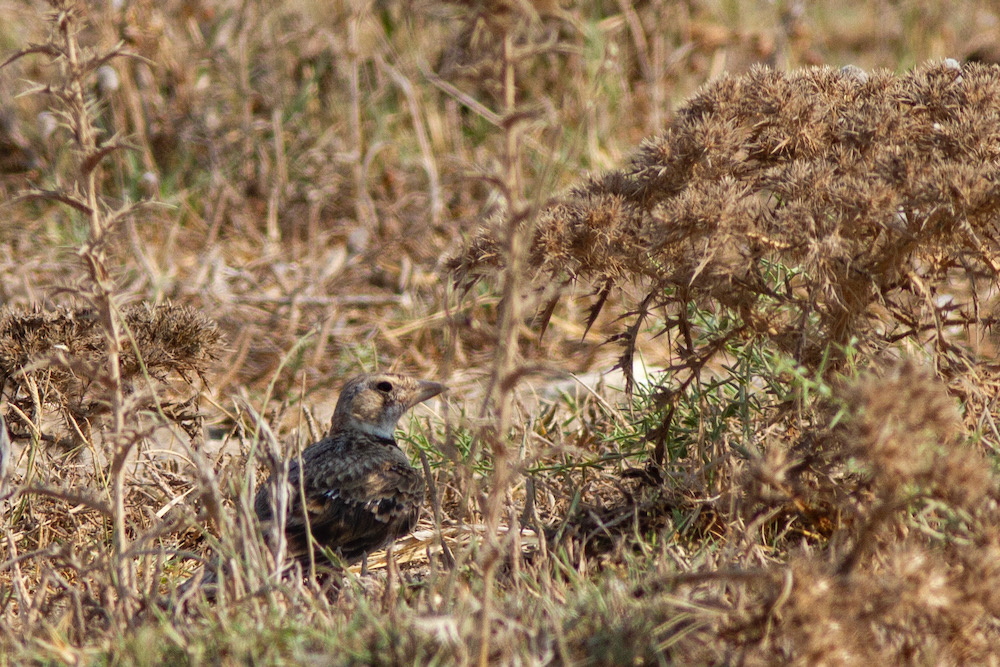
<point x="360" y="512"/>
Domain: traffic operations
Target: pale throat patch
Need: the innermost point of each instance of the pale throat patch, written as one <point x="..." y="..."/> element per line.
<point x="378" y="430"/>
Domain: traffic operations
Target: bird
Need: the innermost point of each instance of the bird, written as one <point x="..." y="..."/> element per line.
<point x="359" y="490"/>
<point x="355" y="491"/>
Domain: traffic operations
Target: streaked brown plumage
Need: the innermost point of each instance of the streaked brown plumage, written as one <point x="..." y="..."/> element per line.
<point x="361" y="493"/>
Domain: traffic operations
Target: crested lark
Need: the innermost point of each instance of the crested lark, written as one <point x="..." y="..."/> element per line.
<point x="361" y="493"/>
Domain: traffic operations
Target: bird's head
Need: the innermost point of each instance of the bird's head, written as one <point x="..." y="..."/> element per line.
<point x="374" y="402"/>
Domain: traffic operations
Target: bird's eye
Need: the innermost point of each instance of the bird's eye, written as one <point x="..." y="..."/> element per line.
<point x="384" y="386"/>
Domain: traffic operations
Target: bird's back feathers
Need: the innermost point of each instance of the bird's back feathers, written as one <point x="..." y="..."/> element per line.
<point x="360" y="494"/>
<point x="355" y="491"/>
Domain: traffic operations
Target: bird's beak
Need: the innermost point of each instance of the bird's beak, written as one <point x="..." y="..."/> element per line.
<point x="425" y="389"/>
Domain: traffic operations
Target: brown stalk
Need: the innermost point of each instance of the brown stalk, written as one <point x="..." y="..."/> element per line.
<point x="102" y="295"/>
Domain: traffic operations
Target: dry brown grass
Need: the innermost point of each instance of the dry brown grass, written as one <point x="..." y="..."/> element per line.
<point x="226" y="208"/>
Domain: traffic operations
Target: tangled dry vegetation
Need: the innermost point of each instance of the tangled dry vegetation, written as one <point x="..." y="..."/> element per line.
<point x="807" y="257"/>
<point x="54" y="362"/>
<point x="838" y="220"/>
<point x="820" y="206"/>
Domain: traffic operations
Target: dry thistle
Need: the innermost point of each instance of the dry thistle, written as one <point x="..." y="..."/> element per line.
<point x="870" y="191"/>
<point x="82" y="191"/>
<point x="62" y="354"/>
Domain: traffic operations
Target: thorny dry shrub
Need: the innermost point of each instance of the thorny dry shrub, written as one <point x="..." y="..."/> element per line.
<point x="54" y="360"/>
<point x="869" y="189"/>
<point x="804" y="225"/>
<point x="810" y="213"/>
<point x="911" y="571"/>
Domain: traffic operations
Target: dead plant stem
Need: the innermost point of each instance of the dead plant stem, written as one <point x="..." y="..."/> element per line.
<point x="102" y="294"/>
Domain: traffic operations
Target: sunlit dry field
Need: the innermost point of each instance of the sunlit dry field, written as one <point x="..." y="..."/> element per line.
<point x="712" y="286"/>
